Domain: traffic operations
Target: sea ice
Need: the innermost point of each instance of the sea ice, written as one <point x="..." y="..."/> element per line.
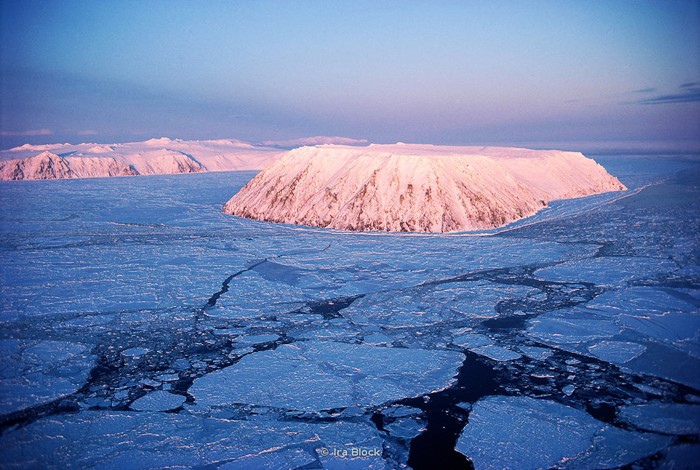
<point x="471" y="340"/>
<point x="463" y="303"/>
<point x="135" y="352"/>
<point x="138" y="293"/>
<point x="497" y="353"/>
<point x="116" y="440"/>
<point x="522" y="432"/>
<point x="680" y="329"/>
<point x="613" y="448"/>
<point x="158" y="401"/>
<point x="531" y="433"/>
<point x="617" y="352"/>
<point x="681" y="456"/>
<point x="535" y="352"/>
<point x="318" y="375"/>
<point x="561" y="329"/>
<point x="35" y="372"/>
<point x="256" y="339"/>
<point x="606" y="271"/>
<point x="637" y="301"/>
<point x="667" y="418"/>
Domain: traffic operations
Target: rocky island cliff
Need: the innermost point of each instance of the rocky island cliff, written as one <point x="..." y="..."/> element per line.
<point x="416" y="188"/>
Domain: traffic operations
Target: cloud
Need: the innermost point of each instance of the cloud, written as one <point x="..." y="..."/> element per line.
<point x="87" y="132"/>
<point x="644" y="90"/>
<point x="26" y="133"/>
<point x="317" y="140"/>
<point x="688" y="93"/>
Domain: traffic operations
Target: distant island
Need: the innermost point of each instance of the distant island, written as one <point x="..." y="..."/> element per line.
<point x="151" y="157"/>
<point x="415" y="188"/>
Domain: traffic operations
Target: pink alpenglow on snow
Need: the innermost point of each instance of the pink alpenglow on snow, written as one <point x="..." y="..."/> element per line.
<point x="151" y="157"/>
<point x="416" y="188"/>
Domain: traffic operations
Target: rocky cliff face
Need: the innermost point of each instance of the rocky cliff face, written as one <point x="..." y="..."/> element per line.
<point x="416" y="188"/>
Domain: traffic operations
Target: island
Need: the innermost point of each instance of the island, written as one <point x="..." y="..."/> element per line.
<point x="415" y="187"/>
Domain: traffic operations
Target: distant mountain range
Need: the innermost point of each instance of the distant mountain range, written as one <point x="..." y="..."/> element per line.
<point x="152" y="157"/>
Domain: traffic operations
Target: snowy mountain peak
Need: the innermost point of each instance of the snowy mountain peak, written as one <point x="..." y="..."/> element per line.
<point x="45" y="165"/>
<point x="159" y="141"/>
<point x="46" y="155"/>
<point x="416" y="188"/>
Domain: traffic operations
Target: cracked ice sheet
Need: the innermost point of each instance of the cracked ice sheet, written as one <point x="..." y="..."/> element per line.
<point x="607" y="271"/>
<point x="159" y="400"/>
<point x="667" y="418"/>
<point x="404" y="256"/>
<point x="533" y="433"/>
<point x="636" y="344"/>
<point x="617" y="352"/>
<point x="463" y="302"/>
<point x="116" y="440"/>
<point x="252" y="296"/>
<point x="572" y="326"/>
<point x="654" y="313"/>
<point x="109" y="276"/>
<point x="362" y="263"/>
<point x="35" y="372"/>
<point x="681" y="330"/>
<point x="639" y="301"/>
<point x="484" y="346"/>
<point x="316" y="375"/>
<point x="642" y="329"/>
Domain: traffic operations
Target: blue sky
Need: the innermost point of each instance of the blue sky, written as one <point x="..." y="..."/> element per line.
<point x="568" y="74"/>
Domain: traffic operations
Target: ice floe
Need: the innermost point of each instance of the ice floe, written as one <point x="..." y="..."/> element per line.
<point x="35" y="372"/>
<point x="158" y="401"/>
<point x="319" y="375"/>
<point x="523" y="432"/>
<point x="667" y="418"/>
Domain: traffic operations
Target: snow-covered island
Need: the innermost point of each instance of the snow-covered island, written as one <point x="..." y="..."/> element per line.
<point x="416" y="188"/>
<point x="151" y="157"/>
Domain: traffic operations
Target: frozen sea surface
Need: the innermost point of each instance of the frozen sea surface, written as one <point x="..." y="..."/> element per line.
<point x="142" y="328"/>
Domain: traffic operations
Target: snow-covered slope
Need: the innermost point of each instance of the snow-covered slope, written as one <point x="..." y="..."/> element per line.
<point x="48" y="165"/>
<point x="417" y="188"/>
<point x="154" y="156"/>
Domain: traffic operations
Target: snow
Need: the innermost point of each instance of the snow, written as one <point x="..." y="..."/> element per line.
<point x="415" y="188"/>
<point x="151" y="157"/>
<point x="317" y="140"/>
